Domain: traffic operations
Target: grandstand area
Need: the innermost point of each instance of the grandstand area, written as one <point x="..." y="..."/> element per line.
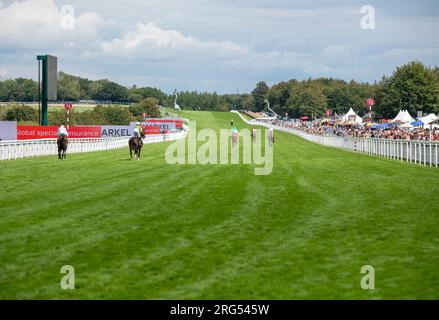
<point x="150" y="230"/>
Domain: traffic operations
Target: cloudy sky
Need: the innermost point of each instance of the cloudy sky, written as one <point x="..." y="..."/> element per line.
<point x="221" y="45"/>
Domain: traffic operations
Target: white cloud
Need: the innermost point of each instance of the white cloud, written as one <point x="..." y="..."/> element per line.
<point x="35" y="24"/>
<point x="150" y="41"/>
<point x="221" y="45"/>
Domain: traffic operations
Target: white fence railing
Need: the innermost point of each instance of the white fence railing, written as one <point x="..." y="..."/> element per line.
<point x="420" y="152"/>
<point x="11" y="150"/>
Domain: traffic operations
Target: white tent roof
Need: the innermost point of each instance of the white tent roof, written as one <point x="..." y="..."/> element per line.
<point x="351" y="113"/>
<point x="404" y="117"/>
<point x="428" y="119"/>
<point x="398" y="117"/>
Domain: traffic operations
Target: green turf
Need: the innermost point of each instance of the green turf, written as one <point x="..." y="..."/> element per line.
<point x="146" y="229"/>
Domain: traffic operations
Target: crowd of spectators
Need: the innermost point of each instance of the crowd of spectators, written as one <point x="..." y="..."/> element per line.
<point x="395" y="131"/>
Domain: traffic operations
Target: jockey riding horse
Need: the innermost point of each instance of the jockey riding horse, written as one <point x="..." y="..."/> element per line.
<point x="62" y="142"/>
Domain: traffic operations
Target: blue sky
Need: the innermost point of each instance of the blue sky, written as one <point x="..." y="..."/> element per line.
<point x="224" y="46"/>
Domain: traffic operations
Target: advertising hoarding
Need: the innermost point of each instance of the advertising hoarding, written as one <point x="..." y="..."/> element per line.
<point x="8" y="130"/>
<point x="51" y="132"/>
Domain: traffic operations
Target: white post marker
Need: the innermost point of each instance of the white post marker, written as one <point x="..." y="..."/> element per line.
<point x="68" y="106"/>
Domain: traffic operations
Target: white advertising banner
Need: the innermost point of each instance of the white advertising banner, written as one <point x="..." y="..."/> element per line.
<point x="117" y="131"/>
<point x="8" y="130"/>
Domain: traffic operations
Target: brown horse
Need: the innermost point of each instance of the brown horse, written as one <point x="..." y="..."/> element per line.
<point x="62" y="143"/>
<point x="135" y="144"/>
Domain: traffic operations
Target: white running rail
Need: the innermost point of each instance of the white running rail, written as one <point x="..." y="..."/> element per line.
<point x="11" y="150"/>
<point x="420" y="152"/>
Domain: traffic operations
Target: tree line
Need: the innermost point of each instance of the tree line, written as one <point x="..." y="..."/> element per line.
<point x="100" y="115"/>
<point x="414" y="87"/>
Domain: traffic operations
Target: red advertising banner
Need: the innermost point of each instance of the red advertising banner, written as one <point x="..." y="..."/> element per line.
<point x="51" y="132"/>
<point x="85" y="132"/>
<point x="178" y="122"/>
<point x="151" y="129"/>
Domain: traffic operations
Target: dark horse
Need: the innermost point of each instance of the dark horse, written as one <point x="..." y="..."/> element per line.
<point x="62" y="147"/>
<point x="135" y="144"/>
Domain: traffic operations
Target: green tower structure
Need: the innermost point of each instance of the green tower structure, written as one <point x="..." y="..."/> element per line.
<point x="48" y="87"/>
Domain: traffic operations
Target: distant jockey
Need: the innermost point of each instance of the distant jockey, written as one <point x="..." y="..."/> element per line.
<point x="138" y="126"/>
<point x="62" y="132"/>
<point x="234" y="136"/>
<point x="271" y="136"/>
<point x="253" y="134"/>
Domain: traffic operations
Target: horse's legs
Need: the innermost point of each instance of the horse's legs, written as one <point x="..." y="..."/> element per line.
<point x="131" y="153"/>
<point x="59" y="153"/>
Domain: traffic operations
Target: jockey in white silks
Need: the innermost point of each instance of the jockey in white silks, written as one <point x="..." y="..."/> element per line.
<point x="62" y="131"/>
<point x="136" y="132"/>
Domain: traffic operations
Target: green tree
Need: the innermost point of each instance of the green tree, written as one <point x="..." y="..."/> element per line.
<point x="148" y="106"/>
<point x="12" y="91"/>
<point x="306" y="100"/>
<point x="260" y="94"/>
<point x="59" y="116"/>
<point x="21" y="113"/>
<point x="412" y="87"/>
<point x="248" y="102"/>
<point x="3" y="96"/>
<point x="137" y="94"/>
<point x="69" y="88"/>
<point x="340" y="99"/>
<point x="116" y="115"/>
<point x="107" y="90"/>
<point x="279" y="94"/>
<point x="28" y="89"/>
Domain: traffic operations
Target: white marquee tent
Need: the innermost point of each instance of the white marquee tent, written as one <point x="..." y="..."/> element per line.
<point x="351" y="115"/>
<point x="398" y="117"/>
<point x="403" y="117"/>
<point x="429" y="119"/>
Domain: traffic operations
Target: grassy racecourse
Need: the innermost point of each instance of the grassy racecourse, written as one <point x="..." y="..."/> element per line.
<point x="149" y="230"/>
